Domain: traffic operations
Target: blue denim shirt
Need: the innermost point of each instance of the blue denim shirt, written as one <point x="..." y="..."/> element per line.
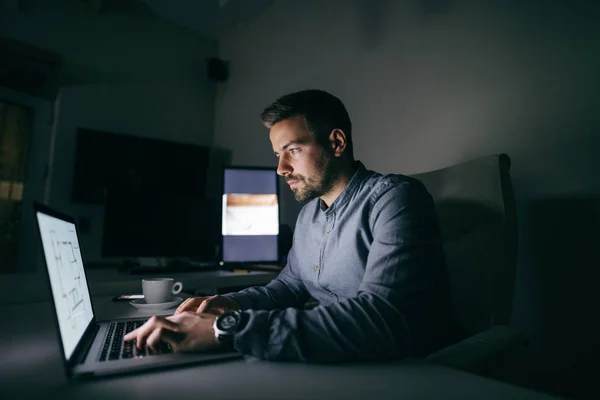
<point x="374" y="261"/>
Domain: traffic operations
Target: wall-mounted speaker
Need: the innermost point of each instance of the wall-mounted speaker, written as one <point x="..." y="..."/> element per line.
<point x="218" y="70"/>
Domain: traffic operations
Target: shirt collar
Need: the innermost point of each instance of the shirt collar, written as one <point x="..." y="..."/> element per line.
<point x="349" y="190"/>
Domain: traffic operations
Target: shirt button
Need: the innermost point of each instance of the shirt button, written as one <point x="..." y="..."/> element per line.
<point x="327" y="232"/>
<point x="316" y="267"/>
<point x="331" y="294"/>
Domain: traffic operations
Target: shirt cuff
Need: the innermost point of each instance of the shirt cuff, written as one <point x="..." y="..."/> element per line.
<point x="244" y="300"/>
<point x="250" y="340"/>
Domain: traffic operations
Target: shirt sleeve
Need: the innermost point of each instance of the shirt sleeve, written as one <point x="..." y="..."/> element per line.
<point x="400" y="306"/>
<point x="287" y="290"/>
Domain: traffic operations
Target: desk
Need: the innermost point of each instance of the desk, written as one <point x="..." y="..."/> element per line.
<point x="110" y="281"/>
<point x="31" y="367"/>
<point x="113" y="282"/>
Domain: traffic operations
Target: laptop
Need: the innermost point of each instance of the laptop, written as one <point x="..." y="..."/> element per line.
<point x="91" y="348"/>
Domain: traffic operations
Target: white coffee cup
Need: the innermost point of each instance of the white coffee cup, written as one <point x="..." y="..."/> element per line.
<point x="160" y="290"/>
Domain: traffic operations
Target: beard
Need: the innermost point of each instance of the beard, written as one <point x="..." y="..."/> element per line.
<point x="319" y="183"/>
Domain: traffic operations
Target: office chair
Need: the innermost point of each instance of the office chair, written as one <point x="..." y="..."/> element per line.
<point x="476" y="207"/>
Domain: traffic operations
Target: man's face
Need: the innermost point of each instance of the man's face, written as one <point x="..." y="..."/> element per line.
<point x="306" y="165"/>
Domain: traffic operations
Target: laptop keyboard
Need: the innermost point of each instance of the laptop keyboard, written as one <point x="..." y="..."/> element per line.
<point x="115" y="348"/>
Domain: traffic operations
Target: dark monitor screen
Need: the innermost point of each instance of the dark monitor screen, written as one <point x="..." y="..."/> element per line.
<point x="104" y="159"/>
<point x="150" y="221"/>
<point x="250" y="215"/>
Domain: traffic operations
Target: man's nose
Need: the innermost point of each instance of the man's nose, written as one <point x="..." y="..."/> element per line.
<point x="283" y="167"/>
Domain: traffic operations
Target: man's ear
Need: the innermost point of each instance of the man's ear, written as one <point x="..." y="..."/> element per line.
<point x="337" y="139"/>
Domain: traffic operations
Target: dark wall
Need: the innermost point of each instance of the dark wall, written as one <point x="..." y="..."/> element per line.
<point x="434" y="83"/>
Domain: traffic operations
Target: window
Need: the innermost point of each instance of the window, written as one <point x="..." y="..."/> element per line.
<point x="16" y="123"/>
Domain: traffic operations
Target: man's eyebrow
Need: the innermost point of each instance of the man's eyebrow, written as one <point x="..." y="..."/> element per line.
<point x="293" y="142"/>
<point x="290" y="143"/>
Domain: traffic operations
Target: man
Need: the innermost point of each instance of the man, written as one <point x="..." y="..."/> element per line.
<point x="366" y="246"/>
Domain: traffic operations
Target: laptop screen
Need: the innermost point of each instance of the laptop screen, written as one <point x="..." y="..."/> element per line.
<point x="67" y="279"/>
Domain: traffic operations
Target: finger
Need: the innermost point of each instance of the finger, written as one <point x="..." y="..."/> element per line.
<point x="131" y="335"/>
<point x="178" y="310"/>
<point x="172" y="338"/>
<point x="176" y="319"/>
<point x="184" y="306"/>
<point x="216" y="311"/>
<point x="154" y="338"/>
<point x="163" y="335"/>
<point x="153" y="323"/>
<point x="205" y="305"/>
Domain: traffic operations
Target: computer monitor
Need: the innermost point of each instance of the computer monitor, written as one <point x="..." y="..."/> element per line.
<point x="177" y="167"/>
<point x="250" y="215"/>
<point x="151" y="221"/>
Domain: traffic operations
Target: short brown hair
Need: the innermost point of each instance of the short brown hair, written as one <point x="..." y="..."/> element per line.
<point x="322" y="112"/>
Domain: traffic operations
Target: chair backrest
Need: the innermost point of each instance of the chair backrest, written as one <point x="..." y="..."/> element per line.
<point x="476" y="208"/>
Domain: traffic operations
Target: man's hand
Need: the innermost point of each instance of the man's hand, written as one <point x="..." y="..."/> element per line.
<point x="214" y="305"/>
<point x="184" y="332"/>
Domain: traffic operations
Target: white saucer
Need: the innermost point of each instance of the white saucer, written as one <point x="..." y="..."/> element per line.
<point x="142" y="305"/>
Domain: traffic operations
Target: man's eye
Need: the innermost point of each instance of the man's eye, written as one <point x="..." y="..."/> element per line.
<point x="294" y="151"/>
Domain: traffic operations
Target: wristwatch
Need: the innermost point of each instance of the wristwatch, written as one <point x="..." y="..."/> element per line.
<point x="227" y="324"/>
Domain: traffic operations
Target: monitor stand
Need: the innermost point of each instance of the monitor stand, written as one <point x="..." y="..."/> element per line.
<point x="152" y="262"/>
<point x="149" y="265"/>
<point x="251" y="266"/>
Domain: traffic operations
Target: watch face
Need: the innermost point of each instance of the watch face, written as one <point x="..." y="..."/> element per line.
<point x="227" y="321"/>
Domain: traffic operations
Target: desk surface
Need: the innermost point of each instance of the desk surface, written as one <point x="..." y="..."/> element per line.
<point x="110" y="281"/>
<point x="31" y="366"/>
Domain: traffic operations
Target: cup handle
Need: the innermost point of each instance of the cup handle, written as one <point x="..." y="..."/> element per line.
<point x="177" y="286"/>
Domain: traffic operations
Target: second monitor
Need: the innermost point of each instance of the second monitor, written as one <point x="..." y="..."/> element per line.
<point x="152" y="222"/>
<point x="250" y="215"/>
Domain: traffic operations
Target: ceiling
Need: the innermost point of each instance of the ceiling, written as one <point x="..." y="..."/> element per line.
<point x="209" y="17"/>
